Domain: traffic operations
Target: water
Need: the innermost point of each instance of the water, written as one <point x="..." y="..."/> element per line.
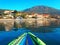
<point x="47" y="31"/>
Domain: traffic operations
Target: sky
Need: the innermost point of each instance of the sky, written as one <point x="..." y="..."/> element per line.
<point x="24" y="4"/>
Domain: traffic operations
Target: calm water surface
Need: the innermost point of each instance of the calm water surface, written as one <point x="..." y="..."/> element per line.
<point x="47" y="31"/>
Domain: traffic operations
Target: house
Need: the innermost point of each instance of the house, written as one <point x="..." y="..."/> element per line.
<point x="30" y="16"/>
<point x="7" y="12"/>
<point x="35" y="16"/>
<point x="40" y="16"/>
<point x="46" y="15"/>
<point x="8" y="17"/>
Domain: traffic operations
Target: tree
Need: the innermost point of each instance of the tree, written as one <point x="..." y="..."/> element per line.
<point x="23" y="15"/>
<point x="14" y="13"/>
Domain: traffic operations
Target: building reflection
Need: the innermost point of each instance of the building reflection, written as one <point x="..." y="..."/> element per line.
<point x="34" y="25"/>
<point x="7" y="25"/>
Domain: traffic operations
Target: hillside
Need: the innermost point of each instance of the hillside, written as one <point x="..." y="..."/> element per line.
<point x="43" y="9"/>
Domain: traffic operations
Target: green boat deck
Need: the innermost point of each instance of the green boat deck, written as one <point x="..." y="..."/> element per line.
<point x="22" y="39"/>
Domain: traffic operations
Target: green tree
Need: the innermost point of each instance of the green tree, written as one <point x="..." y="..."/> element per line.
<point x="23" y="15"/>
<point x="14" y="13"/>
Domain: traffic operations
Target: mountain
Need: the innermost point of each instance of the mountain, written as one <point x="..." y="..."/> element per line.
<point x="43" y="9"/>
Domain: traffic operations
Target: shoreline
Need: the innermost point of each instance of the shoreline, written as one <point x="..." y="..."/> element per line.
<point x="44" y="19"/>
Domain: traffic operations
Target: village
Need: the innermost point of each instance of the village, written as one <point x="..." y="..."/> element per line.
<point x="22" y="15"/>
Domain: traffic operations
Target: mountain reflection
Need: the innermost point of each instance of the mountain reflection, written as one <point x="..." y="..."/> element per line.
<point x="33" y="25"/>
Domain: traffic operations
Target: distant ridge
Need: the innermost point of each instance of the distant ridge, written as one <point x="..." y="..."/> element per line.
<point x="43" y="9"/>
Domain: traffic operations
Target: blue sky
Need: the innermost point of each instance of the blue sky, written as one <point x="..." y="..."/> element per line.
<point x="24" y="4"/>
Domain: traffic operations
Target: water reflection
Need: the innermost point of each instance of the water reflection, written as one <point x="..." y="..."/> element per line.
<point x="6" y="25"/>
<point x="47" y="31"/>
<point x="2" y="26"/>
<point x="33" y="25"/>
